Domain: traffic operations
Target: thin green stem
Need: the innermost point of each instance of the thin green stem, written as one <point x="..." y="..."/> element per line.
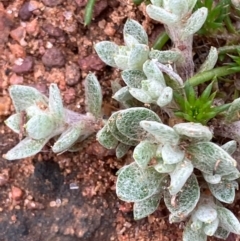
<point x="228" y="49"/>
<point x="161" y="41"/>
<point x="209" y="75"/>
<point x="137" y="2"/>
<point x="88" y="12"/>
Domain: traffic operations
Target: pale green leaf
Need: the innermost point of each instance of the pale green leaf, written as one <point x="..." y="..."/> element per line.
<point x="133" y="77"/>
<point x="210" y="228"/>
<point x="191" y="4"/>
<point x="107" y="51"/>
<point x="233" y="111"/>
<point x="165" y="97"/>
<point x="133" y="28"/>
<point x="122" y="94"/>
<point x="141" y="95"/>
<point x="186" y="200"/>
<point x="146" y="207"/>
<point x="153" y="88"/>
<point x="143" y="153"/>
<point x="179" y="176"/>
<point x="165" y="57"/>
<point x="210" y="61"/>
<point x="196" y="224"/>
<point x="193" y="131"/>
<point x="211" y="159"/>
<point x="172" y="154"/>
<point x="223" y="191"/>
<point x="25" y="148"/>
<point x="128" y="121"/>
<point x="106" y="139"/>
<point x="13" y="122"/>
<point x="157" y="2"/>
<point x="121" y="61"/>
<point x="230" y="147"/>
<point x="93" y="95"/>
<point x="221" y="233"/>
<point x="177" y="7"/>
<point x="163" y="133"/>
<point x="206" y="213"/>
<point x="228" y="220"/>
<point x="25" y="96"/>
<point x="164" y="168"/>
<point x="129" y="40"/>
<point x="135" y="184"/>
<point x="213" y="179"/>
<point x="121" y="150"/>
<point x="196" y="235"/>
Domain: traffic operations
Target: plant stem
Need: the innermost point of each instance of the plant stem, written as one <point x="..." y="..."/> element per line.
<point x="209" y="75"/>
<point x="228" y="49"/>
<point x="88" y="12"/>
<point x="161" y="41"/>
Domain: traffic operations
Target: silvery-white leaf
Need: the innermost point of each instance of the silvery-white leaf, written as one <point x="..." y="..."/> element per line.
<point x="122" y="150"/>
<point x="191" y="4"/>
<point x="93" y="95"/>
<point x="223" y="191"/>
<point x="197" y="235"/>
<point x="129" y="40"/>
<point x="211" y="228"/>
<point x="177" y="7"/>
<point x="106" y="139"/>
<point x="196" y="224"/>
<point x="137" y="56"/>
<point x="157" y="2"/>
<point x="165" y="97"/>
<point x="232" y="176"/>
<point x="166" y="56"/>
<point x="13" y="122"/>
<point x="206" y="213"/>
<point x="121" y="61"/>
<point x="152" y="87"/>
<point x="185" y="201"/>
<point x="179" y="176"/>
<point x="163" y="133"/>
<point x="122" y="94"/>
<point x="228" y="220"/>
<point x="230" y="147"/>
<point x="143" y="153"/>
<point x="221" y="233"/>
<point x="172" y="154"/>
<point x="164" y="168"/>
<point x="161" y="15"/>
<point x="213" y="179"/>
<point x="146" y="207"/>
<point x="25" y="148"/>
<point x="175" y="218"/>
<point x="195" y="22"/>
<point x="40" y="126"/>
<point x="25" y="96"/>
<point x="135" y="184"/>
<point x="152" y="72"/>
<point x="133" y="78"/>
<point x="141" y="95"/>
<point x="106" y="51"/>
<point x="210" y="61"/>
<point x="136" y="30"/>
<point x="232" y="112"/>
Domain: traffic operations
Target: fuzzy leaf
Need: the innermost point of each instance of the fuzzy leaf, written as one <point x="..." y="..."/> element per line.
<point x="211" y="228"/>
<point x="25" y="148"/>
<point x="13" y="122"/>
<point x="233" y="111"/>
<point x="106" y="139"/>
<point x="194" y="131"/>
<point x="152" y="72"/>
<point x="121" y="150"/>
<point x="141" y="95"/>
<point x="163" y="133"/>
<point x="129" y="40"/>
<point x="136" y="30"/>
<point x="146" y="207"/>
<point x="133" y="78"/>
<point x="152" y="87"/>
<point x="172" y="154"/>
<point x="210" y="61"/>
<point x="211" y="159"/>
<point x="186" y="200"/>
<point x="213" y="179"/>
<point x="180" y="10"/>
<point x="191" y="4"/>
<point x="161" y="15"/>
<point x="206" y="213"/>
<point x="143" y="153"/>
<point x="121" y="61"/>
<point x="107" y="51"/>
<point x="55" y="102"/>
<point x="195" y="22"/>
<point x="224" y="191"/>
<point x="135" y="184"/>
<point x="116" y="133"/>
<point x="122" y="94"/>
<point x="164" y="57"/>
<point x="190" y="235"/>
<point x="137" y="56"/>
<point x="40" y="126"/>
<point x="165" y="97"/>
<point x="157" y="2"/>
<point x="128" y="121"/>
<point x="230" y="147"/>
<point x="164" y="168"/>
<point x="221" y="233"/>
<point x="228" y="220"/>
<point x="196" y="224"/>
<point x="25" y="96"/>
<point x="93" y="95"/>
<point x="179" y="176"/>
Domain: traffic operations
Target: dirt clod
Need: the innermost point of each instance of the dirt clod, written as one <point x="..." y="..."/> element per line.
<point x="25" y="67"/>
<point x="24" y="12"/>
<point x="53" y="57"/>
<point x="91" y="63"/>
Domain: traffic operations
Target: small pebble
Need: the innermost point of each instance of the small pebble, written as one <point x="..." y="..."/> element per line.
<point x="53" y="31"/>
<point x="91" y="63"/>
<point x="52" y="204"/>
<point x="72" y="74"/>
<point x="25" y="67"/>
<point x="52" y="3"/>
<point x="24" y="12"/>
<point x="53" y="58"/>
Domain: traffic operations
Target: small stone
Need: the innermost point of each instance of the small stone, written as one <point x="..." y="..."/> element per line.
<point x="32" y="28"/>
<point x="53" y="57"/>
<point x="109" y="29"/>
<point x="24" y="12"/>
<point x="5" y="103"/>
<point x="99" y="7"/>
<point x="19" y="34"/>
<point x="52" y="204"/>
<point x="52" y="3"/>
<point x="53" y="31"/>
<point x="16" y="194"/>
<point x="17" y="50"/>
<point x="25" y="67"/>
<point x="91" y="63"/>
<point x="69" y="95"/>
<point x="72" y="74"/>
